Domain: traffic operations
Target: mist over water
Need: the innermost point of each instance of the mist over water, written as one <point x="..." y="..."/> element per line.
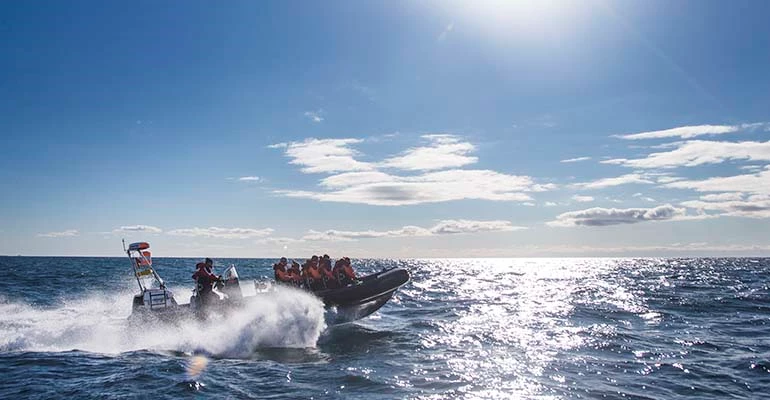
<point x="482" y="328"/>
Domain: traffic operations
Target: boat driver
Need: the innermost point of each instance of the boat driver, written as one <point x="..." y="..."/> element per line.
<point x="205" y="280"/>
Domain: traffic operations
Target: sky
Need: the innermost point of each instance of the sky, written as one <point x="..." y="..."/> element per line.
<point x="386" y="128"/>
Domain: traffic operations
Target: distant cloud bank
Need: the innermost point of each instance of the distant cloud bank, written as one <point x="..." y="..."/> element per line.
<point x="67" y="233"/>
<point x="598" y="216"/>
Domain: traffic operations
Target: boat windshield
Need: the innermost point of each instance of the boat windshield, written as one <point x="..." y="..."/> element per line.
<point x="230" y="273"/>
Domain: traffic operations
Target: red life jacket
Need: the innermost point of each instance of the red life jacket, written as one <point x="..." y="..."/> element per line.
<point x="348" y="271"/>
<point x="314" y="272"/>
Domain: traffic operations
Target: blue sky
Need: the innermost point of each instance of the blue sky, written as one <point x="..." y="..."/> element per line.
<point x="386" y="129"/>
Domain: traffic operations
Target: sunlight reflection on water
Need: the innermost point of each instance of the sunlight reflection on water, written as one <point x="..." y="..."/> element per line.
<point x="511" y="319"/>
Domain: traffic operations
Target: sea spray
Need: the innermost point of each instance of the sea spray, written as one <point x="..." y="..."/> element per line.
<point x="283" y="318"/>
<point x="98" y="323"/>
<point x="94" y="323"/>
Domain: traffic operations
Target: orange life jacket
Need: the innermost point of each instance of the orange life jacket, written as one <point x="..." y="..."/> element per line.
<point x="280" y="274"/>
<point x="348" y="271"/>
<point x="314" y="272"/>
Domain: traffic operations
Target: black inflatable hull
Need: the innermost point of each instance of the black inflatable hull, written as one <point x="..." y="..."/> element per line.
<point x="350" y="303"/>
<point x="365" y="297"/>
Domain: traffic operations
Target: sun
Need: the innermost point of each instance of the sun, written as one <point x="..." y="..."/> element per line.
<point x="517" y="19"/>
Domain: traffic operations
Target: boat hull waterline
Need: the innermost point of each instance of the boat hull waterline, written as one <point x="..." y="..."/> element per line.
<point x="345" y="304"/>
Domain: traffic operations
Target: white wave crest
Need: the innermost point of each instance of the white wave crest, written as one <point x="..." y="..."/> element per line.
<point x="98" y="323"/>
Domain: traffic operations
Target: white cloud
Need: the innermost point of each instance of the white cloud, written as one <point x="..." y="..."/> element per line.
<point x="137" y="228"/>
<point x="443" y="151"/>
<point x="315" y="116"/>
<point x="550" y="204"/>
<point x="698" y="152"/>
<point x="686" y="132"/>
<point x="390" y="190"/>
<point x="758" y="183"/>
<point x="614" y="216"/>
<point x="643" y="197"/>
<point x="578" y="159"/>
<point x="363" y="182"/>
<point x="249" y="179"/>
<point x="734" y="204"/>
<point x="323" y="155"/>
<point x="333" y="235"/>
<point x="445" y="227"/>
<point x="278" y="241"/>
<point x="582" y="199"/>
<point x="454" y="226"/>
<point x="349" y="179"/>
<point x="668" y="179"/>
<point x="757" y="206"/>
<point x="616" y="181"/>
<point x="445" y="32"/>
<point x="222" y="233"/>
<point x="67" y="233"/>
<point x="655" y="250"/>
<point x="723" y="197"/>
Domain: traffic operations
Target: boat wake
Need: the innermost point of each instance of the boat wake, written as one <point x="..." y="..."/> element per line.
<point x="98" y="323"/>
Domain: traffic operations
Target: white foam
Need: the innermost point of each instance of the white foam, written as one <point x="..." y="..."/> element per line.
<point x="98" y="323"/>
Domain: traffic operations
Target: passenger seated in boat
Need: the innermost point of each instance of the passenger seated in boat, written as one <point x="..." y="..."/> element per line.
<point x="327" y="275"/>
<point x="312" y="274"/>
<point x="281" y="275"/>
<point x="338" y="273"/>
<point x="294" y="273"/>
<point x="205" y="280"/>
<point x="343" y="271"/>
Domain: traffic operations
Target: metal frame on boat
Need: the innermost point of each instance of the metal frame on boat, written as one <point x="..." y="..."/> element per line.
<point x="153" y="295"/>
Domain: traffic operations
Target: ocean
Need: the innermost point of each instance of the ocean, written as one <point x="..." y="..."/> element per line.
<point x="462" y="328"/>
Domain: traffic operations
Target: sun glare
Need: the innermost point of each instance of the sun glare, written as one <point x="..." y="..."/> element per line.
<point x="518" y="19"/>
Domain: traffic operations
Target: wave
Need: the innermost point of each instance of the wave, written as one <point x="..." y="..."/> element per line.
<point x="98" y="323"/>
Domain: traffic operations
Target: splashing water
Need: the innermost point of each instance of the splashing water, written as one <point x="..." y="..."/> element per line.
<point x="98" y="323"/>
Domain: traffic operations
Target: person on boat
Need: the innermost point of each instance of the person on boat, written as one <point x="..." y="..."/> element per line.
<point x="281" y="275"/>
<point x="338" y="272"/>
<point x="294" y="273"/>
<point x="329" y="281"/>
<point x="326" y="262"/>
<point x="312" y="274"/>
<point x="344" y="272"/>
<point x="205" y="280"/>
<point x="203" y="270"/>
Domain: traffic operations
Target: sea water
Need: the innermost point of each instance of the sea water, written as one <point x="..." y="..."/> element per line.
<point x="481" y="328"/>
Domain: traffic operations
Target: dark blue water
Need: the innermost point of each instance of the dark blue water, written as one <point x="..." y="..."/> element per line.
<point x="495" y="328"/>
